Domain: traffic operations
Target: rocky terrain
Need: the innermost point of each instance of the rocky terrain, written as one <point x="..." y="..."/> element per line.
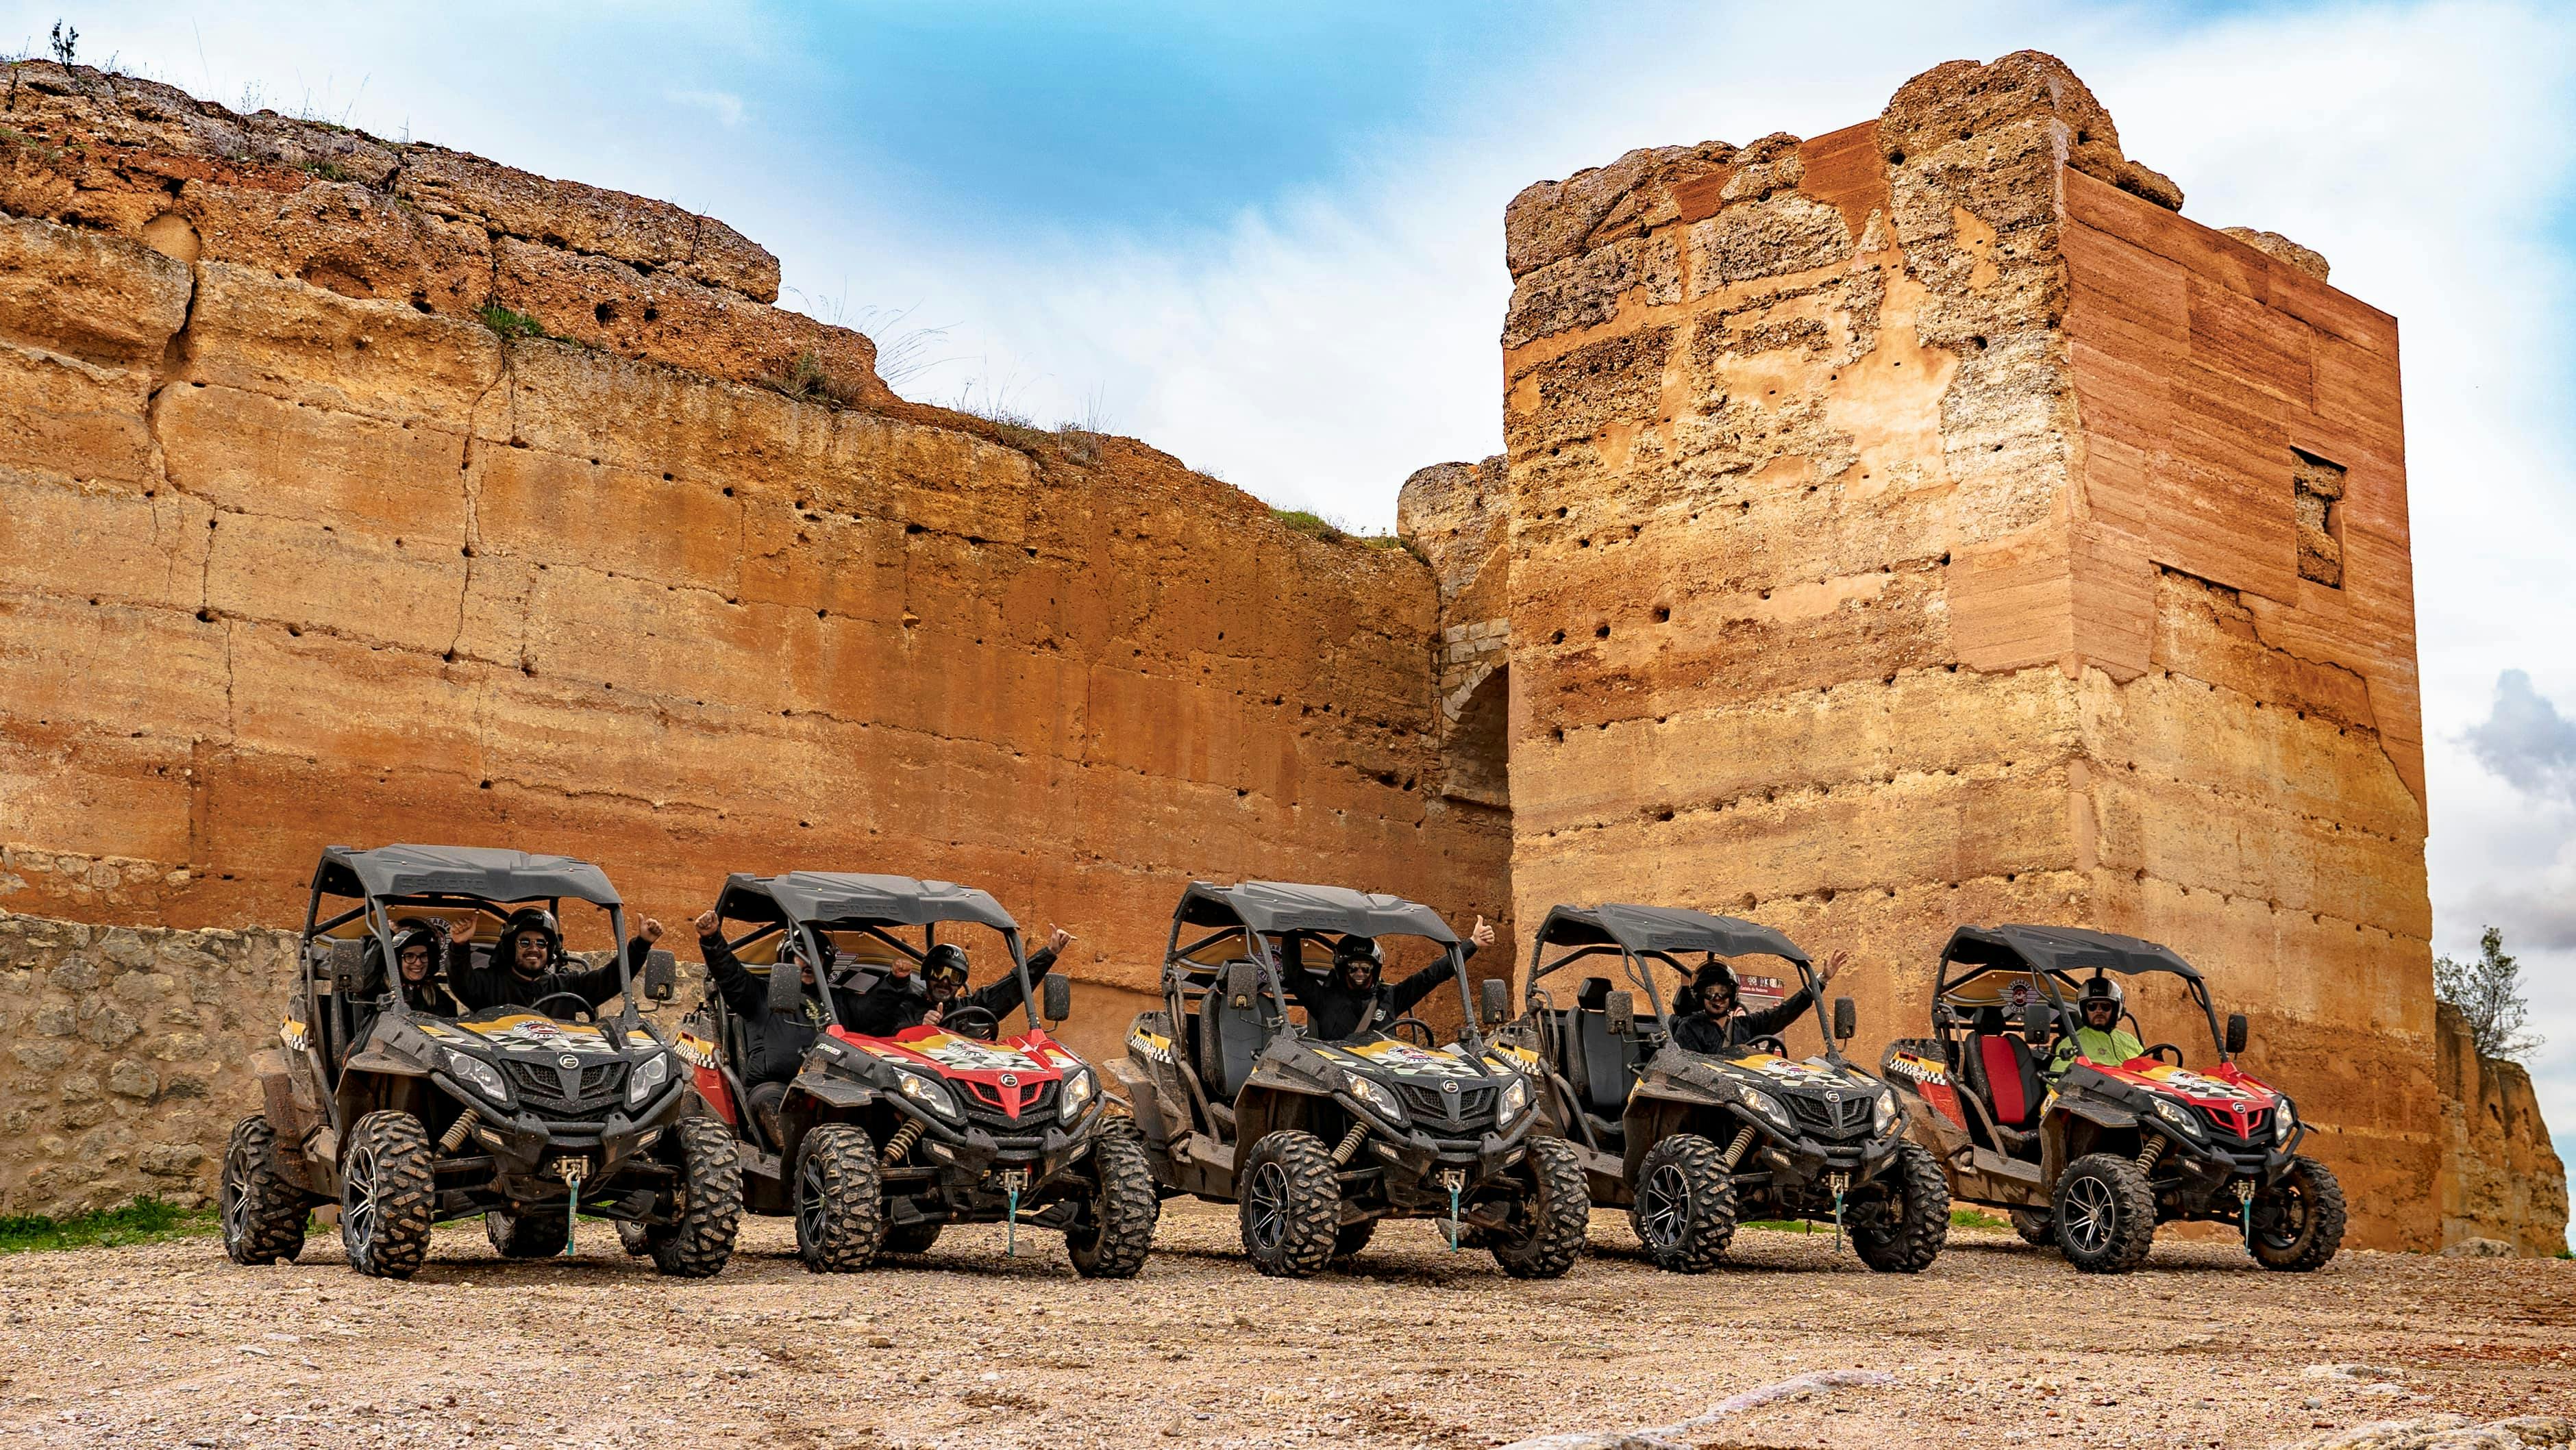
<point x="170" y="1345"/>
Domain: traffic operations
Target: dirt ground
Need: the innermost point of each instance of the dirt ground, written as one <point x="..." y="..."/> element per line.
<point x="170" y="1345"/>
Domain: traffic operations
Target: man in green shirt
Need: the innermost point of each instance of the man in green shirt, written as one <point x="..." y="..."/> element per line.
<point x="2098" y="1038"/>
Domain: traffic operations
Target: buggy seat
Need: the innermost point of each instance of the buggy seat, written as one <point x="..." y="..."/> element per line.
<point x="1601" y="1064"/>
<point x="2005" y="1078"/>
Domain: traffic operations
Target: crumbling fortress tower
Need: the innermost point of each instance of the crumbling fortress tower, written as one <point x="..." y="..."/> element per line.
<point x="1913" y="525"/>
<point x="1923" y="523"/>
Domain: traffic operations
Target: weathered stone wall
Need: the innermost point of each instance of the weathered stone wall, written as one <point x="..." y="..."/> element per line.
<point x="304" y="550"/>
<point x="2501" y="1177"/>
<point x="1905" y="534"/>
<point x="127" y="1057"/>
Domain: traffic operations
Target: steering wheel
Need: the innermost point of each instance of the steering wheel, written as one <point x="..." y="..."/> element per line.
<point x="970" y="1021"/>
<point x="2161" y="1048"/>
<point x="580" y="1005"/>
<point x="1428" y="1038"/>
<point x="1774" y="1045"/>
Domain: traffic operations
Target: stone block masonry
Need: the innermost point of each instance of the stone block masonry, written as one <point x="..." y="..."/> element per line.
<point x="1922" y="523"/>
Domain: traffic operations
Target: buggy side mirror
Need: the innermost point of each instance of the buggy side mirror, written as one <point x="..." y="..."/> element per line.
<point x="785" y="984"/>
<point x="2236" y="1033"/>
<point x="1055" y="998"/>
<point x="1242" y="985"/>
<point x="1619" y="1013"/>
<point x="1497" y="995"/>
<point x="2036" y="1020"/>
<point x="661" y="975"/>
<point x="348" y="969"/>
<point x="1846" y="1020"/>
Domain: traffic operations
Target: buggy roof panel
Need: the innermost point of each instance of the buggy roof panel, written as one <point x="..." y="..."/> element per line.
<point x="495" y="875"/>
<point x="848" y="895"/>
<point x="1271" y="907"/>
<point x="2073" y="950"/>
<point x="1664" y="929"/>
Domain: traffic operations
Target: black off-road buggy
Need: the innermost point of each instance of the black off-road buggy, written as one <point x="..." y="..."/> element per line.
<point x="2093" y="1162"/>
<point x="524" y="1113"/>
<point x="1318" y="1141"/>
<point x="1688" y="1142"/>
<point x="880" y="1141"/>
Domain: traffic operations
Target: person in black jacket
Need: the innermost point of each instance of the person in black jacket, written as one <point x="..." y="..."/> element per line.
<point x="1712" y="1021"/>
<point x="1349" y="999"/>
<point x="416" y="952"/>
<point x="528" y="965"/>
<point x="944" y="972"/>
<point x="774" y="1040"/>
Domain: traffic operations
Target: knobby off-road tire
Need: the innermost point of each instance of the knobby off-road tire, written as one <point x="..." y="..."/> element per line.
<point x="1685" y="1208"/>
<point x="1112" y="1240"/>
<point x="385" y="1195"/>
<point x="699" y="1241"/>
<point x="537" y="1235"/>
<point x="840" y="1201"/>
<point x="912" y="1238"/>
<point x="2307" y="1224"/>
<point x="1558" y="1211"/>
<point x="2035" y="1226"/>
<point x="1351" y="1238"/>
<point x="1290" y="1205"/>
<point x="2106" y="1214"/>
<point x="263" y="1211"/>
<point x="1919" y="1197"/>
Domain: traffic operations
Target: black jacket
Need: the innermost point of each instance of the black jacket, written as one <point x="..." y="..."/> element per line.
<point x="1696" y="1031"/>
<point x="493" y="983"/>
<point x="774" y="1042"/>
<point x="1335" y="1012"/>
<point x="426" y="996"/>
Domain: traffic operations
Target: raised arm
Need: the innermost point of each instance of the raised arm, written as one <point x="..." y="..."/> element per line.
<point x="732" y="983"/>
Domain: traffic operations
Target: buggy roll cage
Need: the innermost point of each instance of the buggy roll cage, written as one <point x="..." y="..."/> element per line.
<point x="805" y="904"/>
<point x="451" y="878"/>
<point x="2053" y="957"/>
<point x="1274" y="914"/>
<point x="1644" y="934"/>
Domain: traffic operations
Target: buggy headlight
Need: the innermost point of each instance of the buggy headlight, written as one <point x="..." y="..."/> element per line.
<point x="647" y="1079"/>
<point x="925" y="1092"/>
<point x="478" y="1074"/>
<point x="2284" y="1119"/>
<point x="1078" y="1088"/>
<point x="1882" y="1118"/>
<point x="1377" y="1098"/>
<point x="1514" y="1101"/>
<point x="1766" y="1107"/>
<point x="2178" y="1116"/>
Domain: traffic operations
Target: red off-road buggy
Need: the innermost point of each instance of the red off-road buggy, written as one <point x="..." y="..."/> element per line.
<point x="2093" y="1161"/>
<point x="878" y="1142"/>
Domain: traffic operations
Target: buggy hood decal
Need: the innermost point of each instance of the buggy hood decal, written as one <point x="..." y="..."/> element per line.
<point x="1008" y="1075"/>
<point x="2225" y="1089"/>
<point x="1406" y="1060"/>
<point x="533" y="1033"/>
<point x="1815" y="1073"/>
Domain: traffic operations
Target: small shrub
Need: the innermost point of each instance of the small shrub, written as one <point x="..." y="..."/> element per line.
<point x="326" y="170"/>
<point x="1971" y="1218"/>
<point x="510" y="325"/>
<point x="145" y="1220"/>
<point x="1300" y="521"/>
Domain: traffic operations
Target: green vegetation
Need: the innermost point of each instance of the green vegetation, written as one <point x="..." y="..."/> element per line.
<point x="1321" y="527"/>
<point x="511" y="325"/>
<point x="327" y="170"/>
<point x="1971" y="1218"/>
<point x="144" y="1221"/>
<point x="808" y="381"/>
<point x="1959" y="1218"/>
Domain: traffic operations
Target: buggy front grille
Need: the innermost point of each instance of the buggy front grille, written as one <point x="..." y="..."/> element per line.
<point x="547" y="1088"/>
<point x="986" y="1101"/>
<point x="1829" y="1119"/>
<point x="1463" y="1106"/>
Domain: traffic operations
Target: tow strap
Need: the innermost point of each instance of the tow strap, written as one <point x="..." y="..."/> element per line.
<point x="1841" y="1183"/>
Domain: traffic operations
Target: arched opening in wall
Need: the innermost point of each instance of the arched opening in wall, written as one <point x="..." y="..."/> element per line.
<point x="1479" y="751"/>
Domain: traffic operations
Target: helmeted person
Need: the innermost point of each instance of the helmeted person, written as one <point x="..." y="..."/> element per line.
<point x="1348" y="998"/>
<point x="528" y="965"/>
<point x="2098" y="1036"/>
<point x="942" y="992"/>
<point x="1709" y="1018"/>
<point x="417" y="950"/>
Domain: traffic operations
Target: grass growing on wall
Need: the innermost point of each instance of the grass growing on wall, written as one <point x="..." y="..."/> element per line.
<point x="144" y="1221"/>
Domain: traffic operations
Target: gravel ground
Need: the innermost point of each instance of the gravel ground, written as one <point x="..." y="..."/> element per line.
<point x="170" y="1345"/>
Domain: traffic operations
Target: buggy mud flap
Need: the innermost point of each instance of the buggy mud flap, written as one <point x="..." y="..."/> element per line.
<point x="837" y="1091"/>
<point x="1986" y="1176"/>
<point x="1144" y="1101"/>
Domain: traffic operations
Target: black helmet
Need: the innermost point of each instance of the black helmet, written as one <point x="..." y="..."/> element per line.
<point x="1360" y="949"/>
<point x="946" y="960"/>
<point x="522" y="921"/>
<point x="822" y="945"/>
<point x="417" y="933"/>
<point x="1713" y="976"/>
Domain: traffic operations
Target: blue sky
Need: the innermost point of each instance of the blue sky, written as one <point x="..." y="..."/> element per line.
<point x="1268" y="238"/>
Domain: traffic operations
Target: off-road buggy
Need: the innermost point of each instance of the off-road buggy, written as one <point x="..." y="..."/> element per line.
<point x="880" y="1141"/>
<point x="1690" y="1142"/>
<point x="1317" y="1141"/>
<point x="524" y="1113"/>
<point x="2094" y="1161"/>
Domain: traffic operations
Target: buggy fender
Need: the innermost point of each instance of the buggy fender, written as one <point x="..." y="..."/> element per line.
<point x="2099" y="1114"/>
<point x="838" y="1092"/>
<point x="1144" y="1099"/>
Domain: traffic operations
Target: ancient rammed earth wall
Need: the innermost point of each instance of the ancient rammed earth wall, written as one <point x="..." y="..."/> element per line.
<point x="1921" y="524"/>
<point x="304" y="549"/>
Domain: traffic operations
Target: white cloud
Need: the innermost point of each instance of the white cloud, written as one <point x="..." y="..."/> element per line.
<point x="725" y="106"/>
